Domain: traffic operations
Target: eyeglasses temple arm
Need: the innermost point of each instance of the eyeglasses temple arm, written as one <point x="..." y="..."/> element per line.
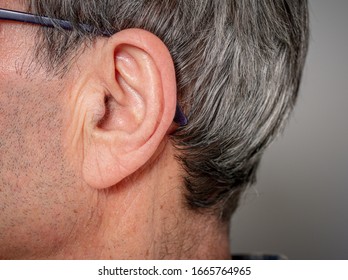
<point x="41" y="20"/>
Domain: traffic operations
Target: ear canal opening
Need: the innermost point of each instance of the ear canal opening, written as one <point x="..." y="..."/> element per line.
<point x="110" y="107"/>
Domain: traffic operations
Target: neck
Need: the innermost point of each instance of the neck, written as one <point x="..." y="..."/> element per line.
<point x="145" y="218"/>
<point x="183" y="237"/>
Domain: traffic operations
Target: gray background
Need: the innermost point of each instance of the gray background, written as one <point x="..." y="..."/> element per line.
<point x="299" y="206"/>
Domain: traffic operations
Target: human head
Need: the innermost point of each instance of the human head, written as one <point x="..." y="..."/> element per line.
<point x="234" y="67"/>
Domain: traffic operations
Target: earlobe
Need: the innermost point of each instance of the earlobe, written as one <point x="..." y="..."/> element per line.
<point x="140" y="100"/>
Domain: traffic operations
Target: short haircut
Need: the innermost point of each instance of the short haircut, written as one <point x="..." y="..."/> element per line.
<point x="238" y="66"/>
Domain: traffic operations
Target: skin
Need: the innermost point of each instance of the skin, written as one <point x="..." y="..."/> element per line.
<point x="84" y="179"/>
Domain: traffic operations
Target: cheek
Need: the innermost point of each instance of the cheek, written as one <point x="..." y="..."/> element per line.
<point x="37" y="185"/>
<point x="38" y="194"/>
<point x="31" y="127"/>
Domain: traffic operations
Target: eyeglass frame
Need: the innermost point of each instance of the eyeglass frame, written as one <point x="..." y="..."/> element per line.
<point x="18" y="16"/>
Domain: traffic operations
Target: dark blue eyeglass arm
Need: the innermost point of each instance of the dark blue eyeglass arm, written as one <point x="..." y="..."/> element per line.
<point x="40" y="20"/>
<point x="180" y="117"/>
<point x="5" y="14"/>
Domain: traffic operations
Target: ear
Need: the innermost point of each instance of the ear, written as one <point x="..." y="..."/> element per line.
<point x="131" y="107"/>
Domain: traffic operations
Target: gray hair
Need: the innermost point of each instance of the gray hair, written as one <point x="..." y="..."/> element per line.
<point x="238" y="67"/>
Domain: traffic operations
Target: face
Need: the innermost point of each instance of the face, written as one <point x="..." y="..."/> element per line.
<point x="40" y="196"/>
